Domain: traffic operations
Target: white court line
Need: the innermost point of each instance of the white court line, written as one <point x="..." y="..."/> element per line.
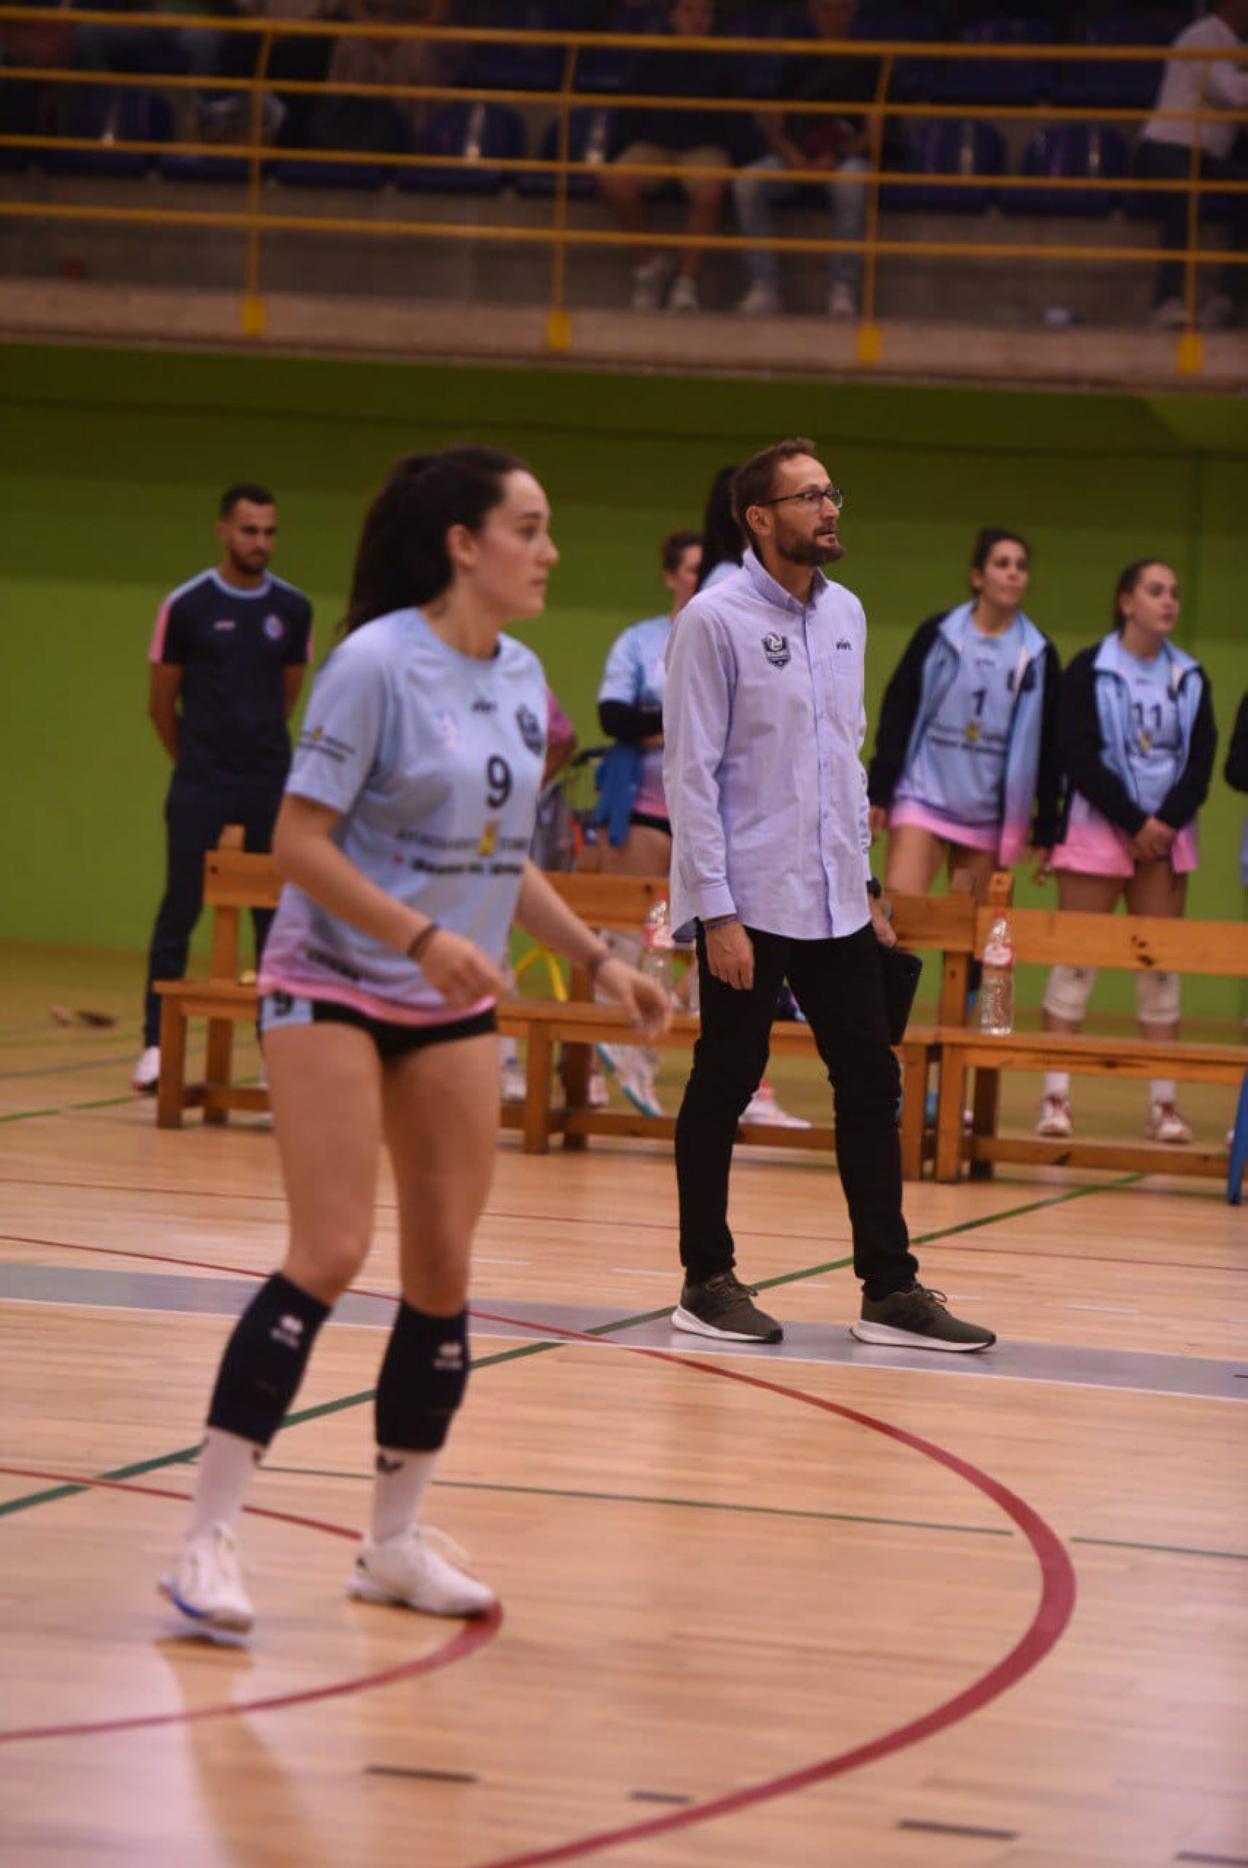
<point x="479" y="1258"/>
<point x="639" y="1271"/>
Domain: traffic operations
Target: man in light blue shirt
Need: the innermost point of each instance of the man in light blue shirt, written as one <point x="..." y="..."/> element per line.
<point x="763" y="721"/>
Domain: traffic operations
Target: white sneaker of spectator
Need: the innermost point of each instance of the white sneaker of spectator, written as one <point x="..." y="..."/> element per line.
<point x="763" y="1108"/>
<point x="761" y="301"/>
<point x="511" y="1084"/>
<point x="631" y="1071"/>
<point x="146" y="1077"/>
<point x="684" y="295"/>
<point x="841" y="301"/>
<point x="1217" y="314"/>
<point x="1170" y="315"/>
<point x="648" y="281"/>
<point x="1055" y="1118"/>
<point x="1165" y="1124"/>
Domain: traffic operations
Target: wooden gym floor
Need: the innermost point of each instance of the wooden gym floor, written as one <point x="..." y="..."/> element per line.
<point x="816" y="1606"/>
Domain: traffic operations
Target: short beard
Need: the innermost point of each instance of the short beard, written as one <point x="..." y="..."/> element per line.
<point x="245" y="568"/>
<point x="813" y="554"/>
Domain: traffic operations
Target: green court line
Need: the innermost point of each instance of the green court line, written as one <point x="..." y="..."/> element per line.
<point x="183" y="1454"/>
<point x="66" y="1109"/>
<point x="645" y="1498"/>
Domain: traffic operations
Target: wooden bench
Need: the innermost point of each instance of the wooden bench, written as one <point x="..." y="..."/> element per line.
<point x="235" y="880"/>
<point x="1135" y="942"/>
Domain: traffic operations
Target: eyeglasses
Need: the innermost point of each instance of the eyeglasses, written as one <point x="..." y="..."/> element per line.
<point x="810" y="496"/>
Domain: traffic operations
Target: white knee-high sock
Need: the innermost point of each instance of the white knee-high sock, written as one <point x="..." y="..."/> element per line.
<point x="399" y="1489"/>
<point x="1164" y="1090"/>
<point x="1057" y="1083"/>
<point x="222" y="1480"/>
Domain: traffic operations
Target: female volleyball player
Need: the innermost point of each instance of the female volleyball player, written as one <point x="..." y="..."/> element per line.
<point x="965" y="765"/>
<point x="1137" y="744"/>
<point x="403" y="838"/>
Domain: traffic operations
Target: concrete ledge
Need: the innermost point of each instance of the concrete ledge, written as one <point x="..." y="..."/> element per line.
<point x="710" y="342"/>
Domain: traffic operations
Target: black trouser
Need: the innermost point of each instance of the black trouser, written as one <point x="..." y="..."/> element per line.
<point x="839" y="986"/>
<point x="195" y="816"/>
<point x="1172" y="162"/>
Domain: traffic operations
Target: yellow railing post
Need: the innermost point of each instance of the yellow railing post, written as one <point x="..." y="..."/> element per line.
<point x="254" y="317"/>
<point x="870" y="338"/>
<point x="1190" y="353"/>
<point x="558" y="322"/>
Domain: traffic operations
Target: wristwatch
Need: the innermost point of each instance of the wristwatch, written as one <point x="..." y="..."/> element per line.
<point x="875" y="888"/>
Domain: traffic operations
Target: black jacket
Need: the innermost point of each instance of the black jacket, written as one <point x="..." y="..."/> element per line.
<point x="1081" y="747"/>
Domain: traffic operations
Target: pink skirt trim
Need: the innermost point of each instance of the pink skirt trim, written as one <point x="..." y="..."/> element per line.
<point x="967" y="836"/>
<point x="1104" y="851"/>
<point x="392" y="1011"/>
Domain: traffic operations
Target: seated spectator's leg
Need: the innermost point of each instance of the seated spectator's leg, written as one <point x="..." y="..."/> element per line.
<point x="847" y="198"/>
<point x="624" y="194"/>
<point x="706" y="198"/>
<point x="754" y="194"/>
<point x="1166" y="162"/>
<point x="1233" y="279"/>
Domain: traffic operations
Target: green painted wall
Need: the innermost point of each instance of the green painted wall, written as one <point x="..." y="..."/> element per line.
<point x="112" y="461"/>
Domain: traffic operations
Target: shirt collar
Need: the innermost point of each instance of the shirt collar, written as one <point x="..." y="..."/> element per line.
<point x="766" y="585"/>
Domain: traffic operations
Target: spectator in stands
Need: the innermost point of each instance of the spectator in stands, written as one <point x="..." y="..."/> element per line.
<point x="966" y="748"/>
<point x="1137" y="741"/>
<point x="833" y="149"/>
<point x="345" y="122"/>
<point x="194" y="49"/>
<point x="46" y="45"/>
<point x="632" y="808"/>
<point x="1165" y="154"/>
<point x="689" y="138"/>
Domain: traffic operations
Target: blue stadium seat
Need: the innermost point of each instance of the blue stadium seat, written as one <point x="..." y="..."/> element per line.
<point x="1074" y="151"/>
<point x="949" y="146"/>
<point x="990" y="80"/>
<point x="477" y="133"/>
<point x="589" y="138"/>
<point x="182" y="168"/>
<point x="108" y="115"/>
<point x="1113" y="84"/>
<point x="362" y="176"/>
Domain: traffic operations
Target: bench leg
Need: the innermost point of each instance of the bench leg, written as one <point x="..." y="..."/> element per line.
<point x="537" y="1094"/>
<point x="171" y="1090"/>
<point x="217" y="1067"/>
<point x="985" y="1106"/>
<point x="949" y="1118"/>
<point x="576" y="1066"/>
<point x="914" y="1062"/>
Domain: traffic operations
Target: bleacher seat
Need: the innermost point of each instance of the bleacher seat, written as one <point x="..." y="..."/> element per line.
<point x="589" y="138"/>
<point x="477" y="134"/>
<point x="108" y="116"/>
<point x="1074" y="151"/>
<point x="949" y="146"/>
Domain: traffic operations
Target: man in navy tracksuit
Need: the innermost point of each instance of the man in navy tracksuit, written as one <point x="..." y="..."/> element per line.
<point x="227" y="658"/>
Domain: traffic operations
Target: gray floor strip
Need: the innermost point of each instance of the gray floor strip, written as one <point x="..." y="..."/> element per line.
<point x="1072" y="1365"/>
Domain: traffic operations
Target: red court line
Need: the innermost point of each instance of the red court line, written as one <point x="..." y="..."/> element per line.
<point x="463" y="1643"/>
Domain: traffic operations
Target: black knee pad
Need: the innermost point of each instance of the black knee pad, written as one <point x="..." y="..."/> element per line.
<point x="423" y="1378"/>
<point x="264" y="1360"/>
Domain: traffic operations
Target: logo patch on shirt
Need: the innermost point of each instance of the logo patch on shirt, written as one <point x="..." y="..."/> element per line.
<point x="224" y="622"/>
<point x="274" y="627"/>
<point x="776" y="649"/>
<point x="489" y="838"/>
<point x="446" y="726"/>
<point x="531" y="731"/>
<point x="843" y="644"/>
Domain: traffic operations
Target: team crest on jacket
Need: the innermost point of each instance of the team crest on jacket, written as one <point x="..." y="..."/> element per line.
<point x="274" y="627"/>
<point x="531" y="730"/>
<point x="776" y="649"/>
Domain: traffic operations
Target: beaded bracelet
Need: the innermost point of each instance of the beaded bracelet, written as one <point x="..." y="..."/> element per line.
<point x="416" y="946"/>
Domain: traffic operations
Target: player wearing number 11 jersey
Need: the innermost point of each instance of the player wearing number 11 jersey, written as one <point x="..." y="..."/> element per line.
<point x="965" y="764"/>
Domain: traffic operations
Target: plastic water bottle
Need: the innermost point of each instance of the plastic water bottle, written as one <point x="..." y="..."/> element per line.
<point x="656" y="946"/>
<point x="996" y="991"/>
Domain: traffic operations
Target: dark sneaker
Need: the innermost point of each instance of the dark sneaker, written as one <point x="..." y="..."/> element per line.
<point x="917" y="1318"/>
<point x="724" y="1307"/>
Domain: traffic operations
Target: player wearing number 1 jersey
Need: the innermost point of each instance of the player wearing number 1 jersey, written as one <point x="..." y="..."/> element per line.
<point x="403" y="837"/>
<point x="965" y="765"/>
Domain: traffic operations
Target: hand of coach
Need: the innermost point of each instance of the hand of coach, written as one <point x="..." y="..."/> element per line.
<point x="730" y="951"/>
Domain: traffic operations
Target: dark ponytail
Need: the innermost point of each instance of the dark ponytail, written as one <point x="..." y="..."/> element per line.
<point x="402" y="557"/>
<point x="721" y="535"/>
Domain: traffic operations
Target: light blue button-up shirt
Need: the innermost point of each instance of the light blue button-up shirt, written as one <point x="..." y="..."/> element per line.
<point x="763" y="720"/>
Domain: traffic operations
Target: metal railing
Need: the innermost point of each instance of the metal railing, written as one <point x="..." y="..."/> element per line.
<point x="254" y="219"/>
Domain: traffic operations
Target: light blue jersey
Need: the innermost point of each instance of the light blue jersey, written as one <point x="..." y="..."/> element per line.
<point x="434" y="760"/>
<point x="1154" y="739"/>
<point x="958" y="766"/>
<point x="636" y="674"/>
